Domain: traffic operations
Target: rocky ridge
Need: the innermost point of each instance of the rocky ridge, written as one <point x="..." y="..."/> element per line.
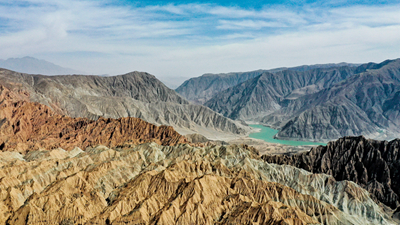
<point x="372" y="164"/>
<point x="135" y="94"/>
<point x="201" y="89"/>
<point x="181" y="184"/>
<point x="264" y="94"/>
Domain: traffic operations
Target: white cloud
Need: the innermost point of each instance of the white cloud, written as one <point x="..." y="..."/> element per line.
<point x="247" y="24"/>
<point x="188" y="40"/>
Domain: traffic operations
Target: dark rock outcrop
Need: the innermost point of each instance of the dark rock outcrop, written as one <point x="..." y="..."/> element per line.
<point x="375" y="165"/>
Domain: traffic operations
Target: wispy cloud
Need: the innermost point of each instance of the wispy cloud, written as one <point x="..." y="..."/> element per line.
<point x="190" y="39"/>
<point x="248" y="24"/>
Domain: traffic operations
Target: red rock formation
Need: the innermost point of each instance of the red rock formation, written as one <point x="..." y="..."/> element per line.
<point x="27" y="126"/>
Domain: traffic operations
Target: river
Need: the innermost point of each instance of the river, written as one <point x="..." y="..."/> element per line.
<point x="267" y="134"/>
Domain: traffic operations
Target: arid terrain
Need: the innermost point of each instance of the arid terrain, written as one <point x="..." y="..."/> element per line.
<point x="57" y="169"/>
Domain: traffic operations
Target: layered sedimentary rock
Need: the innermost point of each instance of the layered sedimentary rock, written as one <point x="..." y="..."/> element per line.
<point x="134" y="94"/>
<point x="375" y="165"/>
<point x="154" y="184"/>
<point x="31" y="126"/>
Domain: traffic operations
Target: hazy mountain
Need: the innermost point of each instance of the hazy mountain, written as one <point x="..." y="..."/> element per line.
<point x="319" y="103"/>
<point x="35" y="66"/>
<point x="134" y="94"/>
<point x="201" y="89"/>
<point x="172" y="82"/>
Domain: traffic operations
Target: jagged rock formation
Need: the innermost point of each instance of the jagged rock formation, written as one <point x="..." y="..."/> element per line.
<point x="203" y="88"/>
<point x="180" y="184"/>
<point x="31" y="126"/>
<point x="135" y="94"/>
<point x="375" y="165"/>
<point x="319" y="104"/>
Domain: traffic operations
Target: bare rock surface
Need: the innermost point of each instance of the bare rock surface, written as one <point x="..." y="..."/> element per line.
<point x="201" y="89"/>
<point x="182" y="184"/>
<point x="375" y="165"/>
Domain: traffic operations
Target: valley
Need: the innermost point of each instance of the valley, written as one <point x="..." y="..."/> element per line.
<point x="316" y="104"/>
<point x="170" y="112"/>
<point x="127" y="149"/>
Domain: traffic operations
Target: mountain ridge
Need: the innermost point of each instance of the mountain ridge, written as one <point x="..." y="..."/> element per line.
<point x="135" y="94"/>
<point x="201" y="89"/>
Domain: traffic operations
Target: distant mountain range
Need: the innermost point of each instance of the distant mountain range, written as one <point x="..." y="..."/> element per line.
<point x="35" y="66"/>
<point x="201" y="89"/>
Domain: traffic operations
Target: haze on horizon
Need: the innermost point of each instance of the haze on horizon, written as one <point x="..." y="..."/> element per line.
<point x="182" y="39"/>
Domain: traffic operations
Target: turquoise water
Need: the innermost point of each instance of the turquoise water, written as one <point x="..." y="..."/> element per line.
<point x="267" y="134"/>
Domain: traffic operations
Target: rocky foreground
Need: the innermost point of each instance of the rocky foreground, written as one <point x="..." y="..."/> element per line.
<point x="154" y="184"/>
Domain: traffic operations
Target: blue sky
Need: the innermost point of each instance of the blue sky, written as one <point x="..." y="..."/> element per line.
<point x="178" y="39"/>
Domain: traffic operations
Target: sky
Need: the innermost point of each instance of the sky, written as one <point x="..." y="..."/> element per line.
<point x="175" y="40"/>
